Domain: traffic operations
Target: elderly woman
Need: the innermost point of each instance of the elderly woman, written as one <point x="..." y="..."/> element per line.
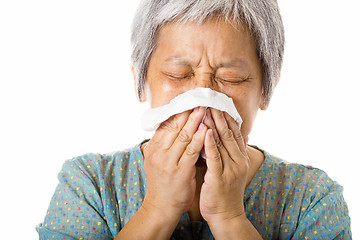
<point x="161" y="188"/>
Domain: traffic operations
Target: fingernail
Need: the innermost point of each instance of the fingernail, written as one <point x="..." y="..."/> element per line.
<point x="202" y="120"/>
<point x="211" y="135"/>
<point x="201" y="127"/>
<point x="197" y="109"/>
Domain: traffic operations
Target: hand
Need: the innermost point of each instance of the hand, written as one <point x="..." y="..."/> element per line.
<point x="222" y="193"/>
<point x="170" y="158"/>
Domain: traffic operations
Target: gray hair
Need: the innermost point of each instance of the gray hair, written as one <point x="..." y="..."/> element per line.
<point x="261" y="16"/>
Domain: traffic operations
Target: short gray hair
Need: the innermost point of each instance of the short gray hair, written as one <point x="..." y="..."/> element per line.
<point x="261" y="16"/>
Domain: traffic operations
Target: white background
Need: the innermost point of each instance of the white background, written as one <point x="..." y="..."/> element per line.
<point x="66" y="89"/>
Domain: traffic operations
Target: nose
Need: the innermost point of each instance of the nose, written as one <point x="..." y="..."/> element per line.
<point x="205" y="80"/>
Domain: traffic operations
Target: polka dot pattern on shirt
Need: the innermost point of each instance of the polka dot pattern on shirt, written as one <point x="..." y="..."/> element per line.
<point x="98" y="194"/>
<point x="292" y="201"/>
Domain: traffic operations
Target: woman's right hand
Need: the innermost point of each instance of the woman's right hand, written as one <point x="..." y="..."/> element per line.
<point x="169" y="163"/>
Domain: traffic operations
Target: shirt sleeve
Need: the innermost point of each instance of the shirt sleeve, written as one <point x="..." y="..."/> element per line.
<point x="80" y="206"/>
<point x="326" y="218"/>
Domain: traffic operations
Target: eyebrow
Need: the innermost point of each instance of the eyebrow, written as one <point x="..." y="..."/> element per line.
<point x="180" y="61"/>
<point x="235" y="62"/>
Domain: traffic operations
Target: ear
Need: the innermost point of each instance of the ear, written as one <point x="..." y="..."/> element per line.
<point x="262" y="103"/>
<point x="264" y="106"/>
<point x="142" y="98"/>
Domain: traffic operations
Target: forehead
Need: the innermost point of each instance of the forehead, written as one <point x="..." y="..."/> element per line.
<point x="216" y="38"/>
<point x="227" y="63"/>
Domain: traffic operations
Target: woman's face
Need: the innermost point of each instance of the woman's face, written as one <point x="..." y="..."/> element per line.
<point x="212" y="55"/>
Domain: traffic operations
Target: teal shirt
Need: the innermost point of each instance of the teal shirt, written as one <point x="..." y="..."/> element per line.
<point x="98" y="194"/>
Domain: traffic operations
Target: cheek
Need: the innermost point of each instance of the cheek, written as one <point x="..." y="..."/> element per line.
<point x="248" y="122"/>
<point x="247" y="108"/>
<point x="248" y="116"/>
<point x="163" y="92"/>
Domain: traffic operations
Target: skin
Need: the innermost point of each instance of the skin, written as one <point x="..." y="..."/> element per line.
<point x="214" y="55"/>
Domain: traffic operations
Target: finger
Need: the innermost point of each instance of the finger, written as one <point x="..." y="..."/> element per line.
<point x="187" y="132"/>
<point x="213" y="157"/>
<point x="209" y="122"/>
<point x="235" y="128"/>
<point x="192" y="151"/>
<point x="242" y="161"/>
<point x="168" y="130"/>
<point x="226" y="134"/>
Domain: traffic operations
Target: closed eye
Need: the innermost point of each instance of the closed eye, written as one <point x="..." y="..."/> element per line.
<point x="178" y="77"/>
<point x="232" y="80"/>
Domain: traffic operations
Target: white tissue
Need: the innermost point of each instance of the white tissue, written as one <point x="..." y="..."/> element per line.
<point x="204" y="97"/>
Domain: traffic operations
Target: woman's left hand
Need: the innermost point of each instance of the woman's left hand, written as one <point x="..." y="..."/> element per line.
<point x="222" y="193"/>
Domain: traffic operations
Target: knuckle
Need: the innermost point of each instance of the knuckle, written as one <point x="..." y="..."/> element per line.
<point x="190" y="150"/>
<point x="217" y="157"/>
<point x="151" y="157"/>
<point x="154" y="156"/>
<point x="184" y="136"/>
<point x="237" y="135"/>
<point x="219" y="144"/>
<point x="170" y="125"/>
<point x="227" y="134"/>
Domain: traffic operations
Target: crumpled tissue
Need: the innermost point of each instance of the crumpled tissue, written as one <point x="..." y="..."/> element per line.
<point x="205" y="97"/>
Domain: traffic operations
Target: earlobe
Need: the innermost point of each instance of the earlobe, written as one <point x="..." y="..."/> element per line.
<point x="262" y="105"/>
